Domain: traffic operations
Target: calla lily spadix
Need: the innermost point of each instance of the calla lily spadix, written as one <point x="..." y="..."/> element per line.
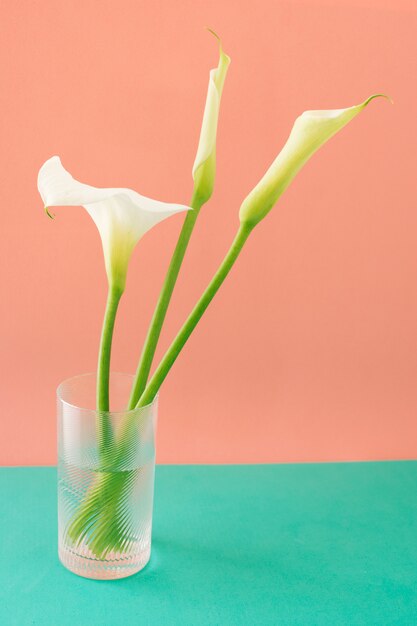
<point x="122" y="216"/>
<point x="204" y="169"/>
<point x="310" y="131"/>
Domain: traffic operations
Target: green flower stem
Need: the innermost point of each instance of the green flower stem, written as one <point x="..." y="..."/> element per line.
<point x="173" y="351"/>
<point x="152" y="338"/>
<point x="97" y="520"/>
<point x="105" y="436"/>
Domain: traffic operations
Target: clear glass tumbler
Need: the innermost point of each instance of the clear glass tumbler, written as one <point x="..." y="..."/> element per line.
<point x="106" y="465"/>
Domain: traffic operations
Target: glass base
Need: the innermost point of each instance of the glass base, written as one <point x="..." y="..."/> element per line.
<point x="114" y="567"/>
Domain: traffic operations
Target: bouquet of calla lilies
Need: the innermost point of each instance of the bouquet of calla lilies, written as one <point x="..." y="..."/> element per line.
<point x="123" y="216"/>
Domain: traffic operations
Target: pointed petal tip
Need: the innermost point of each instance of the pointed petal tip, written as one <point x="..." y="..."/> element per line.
<point x="48" y="213"/>
<point x="184" y="208"/>
<point x="378" y="95"/>
<point x="213" y="32"/>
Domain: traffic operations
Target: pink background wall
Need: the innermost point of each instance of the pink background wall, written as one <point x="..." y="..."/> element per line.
<point x="310" y="350"/>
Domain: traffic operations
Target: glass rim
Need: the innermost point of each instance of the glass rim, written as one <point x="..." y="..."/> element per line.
<point x="94" y="374"/>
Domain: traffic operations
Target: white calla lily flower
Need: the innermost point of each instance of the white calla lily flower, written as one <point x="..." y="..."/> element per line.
<point x="204" y="169"/>
<point x="310" y="131"/>
<point x="122" y="216"/>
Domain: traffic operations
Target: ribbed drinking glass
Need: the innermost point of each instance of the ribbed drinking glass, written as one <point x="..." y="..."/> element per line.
<point x="105" y="484"/>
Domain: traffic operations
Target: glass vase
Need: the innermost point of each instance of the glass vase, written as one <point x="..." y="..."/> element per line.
<point x="106" y="465"/>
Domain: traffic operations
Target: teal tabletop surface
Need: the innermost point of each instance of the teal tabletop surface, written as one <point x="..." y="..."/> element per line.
<point x="306" y="544"/>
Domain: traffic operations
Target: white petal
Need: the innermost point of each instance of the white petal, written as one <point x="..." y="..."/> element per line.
<point x="58" y="188"/>
<point x="121" y="215"/>
<point x="311" y="130"/>
<point x="209" y="125"/>
<point x="207" y="143"/>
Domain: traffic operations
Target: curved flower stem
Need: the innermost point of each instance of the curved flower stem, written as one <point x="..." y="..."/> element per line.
<point x="105" y="436"/>
<point x="173" y="351"/>
<point x="158" y="318"/>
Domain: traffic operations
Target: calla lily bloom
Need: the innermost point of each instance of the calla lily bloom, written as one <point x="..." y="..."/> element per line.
<point x="204" y="169"/>
<point x="122" y="216"/>
<point x="203" y="174"/>
<point x="310" y="131"/>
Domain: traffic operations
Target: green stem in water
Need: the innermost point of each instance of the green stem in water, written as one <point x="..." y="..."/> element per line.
<point x="105" y="435"/>
<point x="173" y="351"/>
<point x="152" y="338"/>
